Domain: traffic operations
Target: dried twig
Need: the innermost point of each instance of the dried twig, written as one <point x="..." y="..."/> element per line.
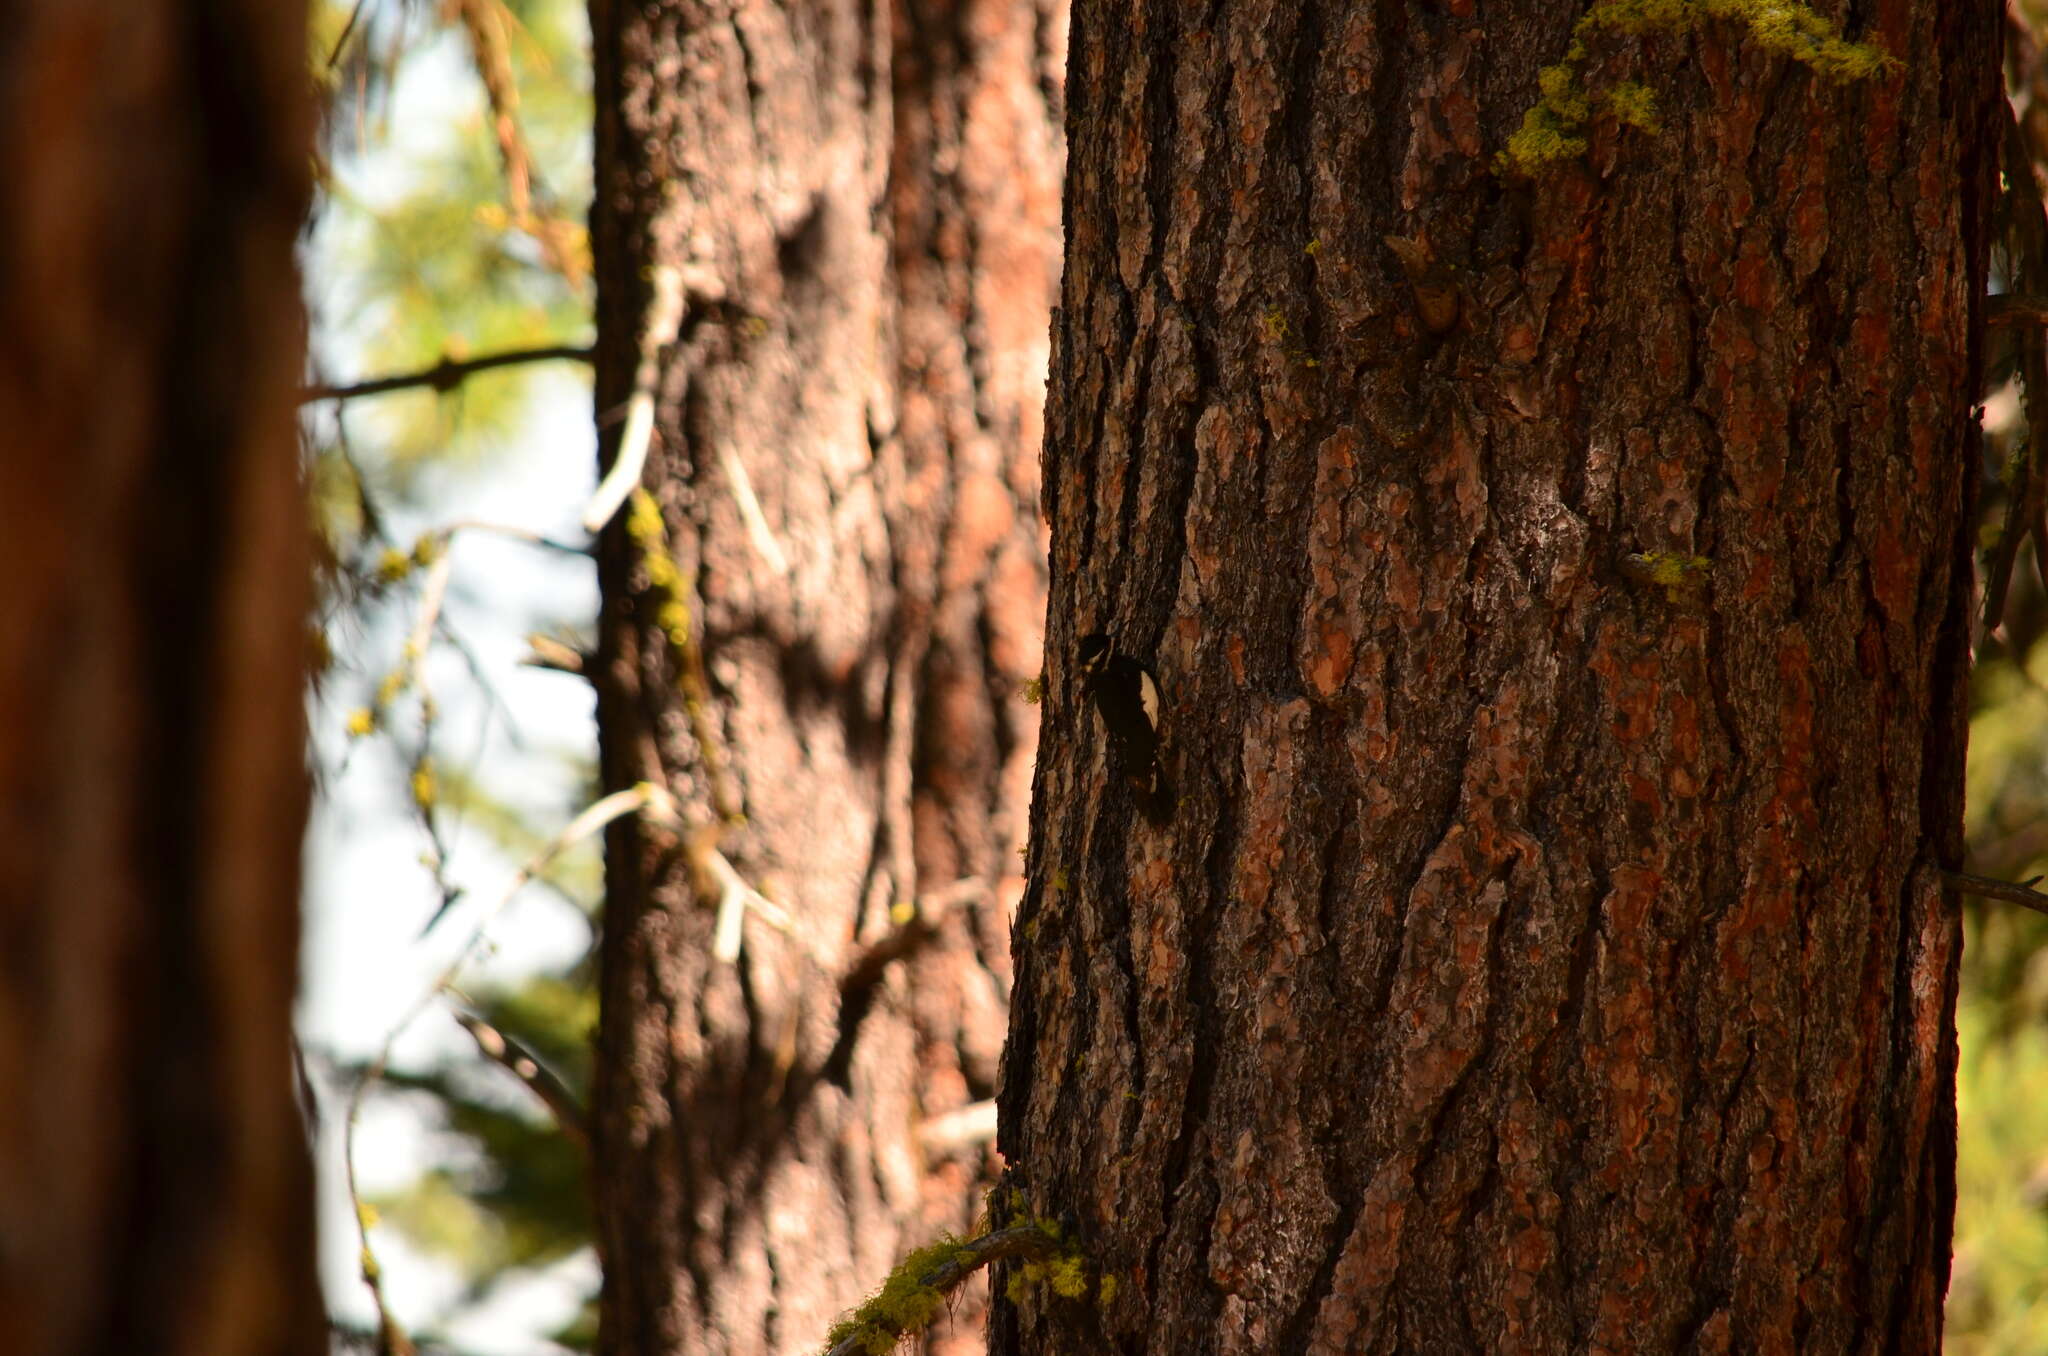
<point x="539" y="1079"/>
<point x="659" y="326"/>
<point x="857" y="986"/>
<point x="2021" y="893"/>
<point x="420" y="780"/>
<point x="719" y="879"/>
<point x="348" y="30"/>
<point x="758" y="531"/>
<point x="391" y="1339"/>
<point x="546" y="652"/>
<point x="519" y="534"/>
<point x="448" y="373"/>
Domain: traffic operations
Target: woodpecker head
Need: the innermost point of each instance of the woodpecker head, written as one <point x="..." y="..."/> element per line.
<point x="1093" y="654"/>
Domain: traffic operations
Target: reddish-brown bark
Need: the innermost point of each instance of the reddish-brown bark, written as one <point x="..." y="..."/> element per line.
<point x="1539" y="958"/>
<point x="155" y="1192"/>
<point x="862" y="199"/>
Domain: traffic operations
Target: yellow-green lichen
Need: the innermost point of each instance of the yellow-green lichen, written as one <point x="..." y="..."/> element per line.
<point x="1066" y="1274"/>
<point x="664" y="580"/>
<point x="1273" y="324"/>
<point x="1635" y="105"/>
<point x="1794" y="30"/>
<point x="1554" y="129"/>
<point x="1675" y="574"/>
<point x="671" y="592"/>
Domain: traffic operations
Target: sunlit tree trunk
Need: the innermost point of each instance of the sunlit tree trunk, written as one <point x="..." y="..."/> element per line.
<point x="858" y="204"/>
<point x="155" y="1191"/>
<point x="1556" y="576"/>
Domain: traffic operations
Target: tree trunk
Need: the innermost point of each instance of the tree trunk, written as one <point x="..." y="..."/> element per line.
<point x="858" y="203"/>
<point x="1557" y="585"/>
<point x="155" y="1191"/>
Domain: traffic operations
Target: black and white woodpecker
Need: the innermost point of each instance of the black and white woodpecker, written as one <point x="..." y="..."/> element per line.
<point x="1127" y="698"/>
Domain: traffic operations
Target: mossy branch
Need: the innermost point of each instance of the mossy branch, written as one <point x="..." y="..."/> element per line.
<point x="915" y="1292"/>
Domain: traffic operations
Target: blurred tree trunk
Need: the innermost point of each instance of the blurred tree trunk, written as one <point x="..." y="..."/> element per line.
<point x="155" y="1191"/>
<point x="859" y="204"/>
<point x="1558" y="590"/>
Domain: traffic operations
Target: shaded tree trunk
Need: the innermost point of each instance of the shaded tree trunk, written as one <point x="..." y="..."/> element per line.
<point x="155" y="1191"/>
<point x="859" y="202"/>
<point x="1558" y="589"/>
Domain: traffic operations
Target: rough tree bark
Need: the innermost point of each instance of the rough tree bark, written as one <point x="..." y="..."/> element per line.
<point x="860" y="201"/>
<point x="155" y="1191"/>
<point x="1557" y="589"/>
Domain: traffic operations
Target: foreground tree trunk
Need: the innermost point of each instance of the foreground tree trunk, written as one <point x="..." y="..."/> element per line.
<point x="1557" y="583"/>
<point x="155" y="1192"/>
<point x="858" y="203"/>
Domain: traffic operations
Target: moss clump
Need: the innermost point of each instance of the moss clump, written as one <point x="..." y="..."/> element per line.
<point x="906" y="1303"/>
<point x="1555" y="128"/>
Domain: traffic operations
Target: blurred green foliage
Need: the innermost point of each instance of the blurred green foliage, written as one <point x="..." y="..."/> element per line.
<point x="1998" y="1288"/>
<point x="427" y="245"/>
<point x="513" y="1194"/>
<point x="1998" y="1291"/>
